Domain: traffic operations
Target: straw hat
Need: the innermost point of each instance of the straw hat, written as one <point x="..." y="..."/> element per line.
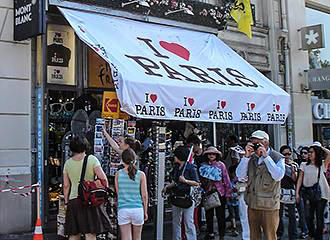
<point x="212" y="150"/>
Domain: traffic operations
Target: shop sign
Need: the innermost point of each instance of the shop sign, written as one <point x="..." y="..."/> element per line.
<point x="40" y="143"/>
<point x="111" y="106"/>
<point x="320" y="109"/>
<point x="28" y="19"/>
<point x="312" y="37"/>
<point x="99" y="71"/>
<point x="169" y="73"/>
<point x="319" y="79"/>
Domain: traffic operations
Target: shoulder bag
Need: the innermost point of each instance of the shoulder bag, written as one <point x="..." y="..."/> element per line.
<point x="313" y="193"/>
<point x="212" y="199"/>
<point x="181" y="200"/>
<point x="91" y="193"/>
<point x="288" y="196"/>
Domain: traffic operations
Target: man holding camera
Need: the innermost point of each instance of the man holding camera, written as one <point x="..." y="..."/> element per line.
<point x="264" y="168"/>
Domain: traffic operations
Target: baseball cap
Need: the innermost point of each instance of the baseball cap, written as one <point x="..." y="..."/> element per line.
<point x="260" y="135"/>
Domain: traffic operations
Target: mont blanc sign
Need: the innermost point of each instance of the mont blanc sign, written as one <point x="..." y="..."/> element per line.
<point x="28" y="18"/>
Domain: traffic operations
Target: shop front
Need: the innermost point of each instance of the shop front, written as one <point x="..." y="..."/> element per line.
<point x="321" y="120"/>
<point x="168" y="81"/>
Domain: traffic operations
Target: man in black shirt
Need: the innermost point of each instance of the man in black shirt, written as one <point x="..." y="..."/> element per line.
<point x="288" y="183"/>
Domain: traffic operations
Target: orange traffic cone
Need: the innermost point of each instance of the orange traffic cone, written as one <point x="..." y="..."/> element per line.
<point x="38" y="231"/>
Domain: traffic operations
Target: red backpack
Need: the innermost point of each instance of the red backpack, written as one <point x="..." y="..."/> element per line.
<point x="92" y="193"/>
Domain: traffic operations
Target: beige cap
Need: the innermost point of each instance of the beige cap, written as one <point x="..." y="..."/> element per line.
<point x="260" y="135"/>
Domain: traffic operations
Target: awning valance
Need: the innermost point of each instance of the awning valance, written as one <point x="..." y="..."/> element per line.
<point x="170" y="73"/>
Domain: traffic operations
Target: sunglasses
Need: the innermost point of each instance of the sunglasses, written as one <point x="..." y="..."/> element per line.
<point x="58" y="107"/>
<point x="287" y="154"/>
<point x="304" y="152"/>
<point x="212" y="154"/>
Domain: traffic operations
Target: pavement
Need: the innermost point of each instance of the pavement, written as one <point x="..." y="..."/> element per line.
<point x="148" y="233"/>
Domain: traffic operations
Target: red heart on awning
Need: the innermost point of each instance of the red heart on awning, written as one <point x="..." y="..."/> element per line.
<point x="191" y="101"/>
<point x="223" y="104"/>
<point x="175" y="48"/>
<point x="252" y="106"/>
<point x="278" y="107"/>
<point x="153" y="97"/>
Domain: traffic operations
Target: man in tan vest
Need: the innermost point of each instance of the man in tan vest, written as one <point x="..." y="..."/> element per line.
<point x="264" y="168"/>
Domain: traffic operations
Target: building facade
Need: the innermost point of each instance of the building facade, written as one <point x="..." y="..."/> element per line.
<point x="273" y="50"/>
<point x="15" y="124"/>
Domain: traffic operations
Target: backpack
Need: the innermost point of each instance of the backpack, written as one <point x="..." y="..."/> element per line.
<point x="92" y="193"/>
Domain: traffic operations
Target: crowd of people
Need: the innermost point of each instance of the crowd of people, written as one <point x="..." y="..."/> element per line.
<point x="253" y="185"/>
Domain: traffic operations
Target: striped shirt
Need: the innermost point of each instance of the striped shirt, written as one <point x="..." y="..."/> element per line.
<point x="129" y="194"/>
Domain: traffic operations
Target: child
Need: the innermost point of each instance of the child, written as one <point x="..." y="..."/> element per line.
<point x="233" y="201"/>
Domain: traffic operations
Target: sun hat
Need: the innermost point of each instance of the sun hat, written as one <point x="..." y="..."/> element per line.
<point x="260" y="135"/>
<point x="316" y="144"/>
<point x="212" y="150"/>
<point x="238" y="149"/>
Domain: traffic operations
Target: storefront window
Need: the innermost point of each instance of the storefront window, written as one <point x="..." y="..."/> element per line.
<point x="319" y="58"/>
<point x="60" y="55"/>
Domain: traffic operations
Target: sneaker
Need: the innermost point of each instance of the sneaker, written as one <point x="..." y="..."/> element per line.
<point x="303" y="235"/>
<point x="234" y="233"/>
<point x="210" y="236"/>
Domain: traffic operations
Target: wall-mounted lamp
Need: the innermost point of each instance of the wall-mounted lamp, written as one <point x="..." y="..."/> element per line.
<point x="185" y="10"/>
<point x="140" y="2"/>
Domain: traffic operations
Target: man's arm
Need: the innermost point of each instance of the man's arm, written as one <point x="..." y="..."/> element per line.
<point x="276" y="170"/>
<point x="242" y="168"/>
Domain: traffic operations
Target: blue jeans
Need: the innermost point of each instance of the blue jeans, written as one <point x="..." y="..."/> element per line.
<point x="302" y="219"/>
<point x="292" y="228"/>
<point x="188" y="218"/>
<point x="315" y="208"/>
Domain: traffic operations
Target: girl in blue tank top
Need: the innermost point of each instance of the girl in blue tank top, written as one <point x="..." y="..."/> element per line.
<point x="131" y="187"/>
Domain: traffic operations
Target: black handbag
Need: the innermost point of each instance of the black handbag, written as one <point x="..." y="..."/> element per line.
<point x="313" y="193"/>
<point x="181" y="201"/>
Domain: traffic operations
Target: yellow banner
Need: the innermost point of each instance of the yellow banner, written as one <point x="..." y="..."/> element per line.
<point x="242" y="14"/>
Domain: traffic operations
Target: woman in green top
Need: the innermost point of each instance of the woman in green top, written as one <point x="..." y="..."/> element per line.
<point x="131" y="187"/>
<point x="80" y="219"/>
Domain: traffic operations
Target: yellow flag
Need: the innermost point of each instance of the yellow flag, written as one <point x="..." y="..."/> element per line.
<point x="242" y="14"/>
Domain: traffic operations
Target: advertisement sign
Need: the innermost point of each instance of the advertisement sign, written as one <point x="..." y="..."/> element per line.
<point x="168" y="73"/>
<point x="99" y="71"/>
<point x="319" y="79"/>
<point x="111" y="106"/>
<point x="321" y="110"/>
<point x="28" y="19"/>
<point x="60" y="55"/>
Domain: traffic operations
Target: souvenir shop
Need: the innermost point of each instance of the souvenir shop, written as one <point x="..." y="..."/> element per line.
<point x="150" y="82"/>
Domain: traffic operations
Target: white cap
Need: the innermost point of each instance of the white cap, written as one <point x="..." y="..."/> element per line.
<point x="260" y="135"/>
<point x="317" y="144"/>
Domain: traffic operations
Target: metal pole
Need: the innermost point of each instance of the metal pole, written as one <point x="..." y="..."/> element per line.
<point x="215" y="134"/>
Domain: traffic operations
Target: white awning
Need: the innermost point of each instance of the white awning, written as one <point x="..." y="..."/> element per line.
<point x="170" y="73"/>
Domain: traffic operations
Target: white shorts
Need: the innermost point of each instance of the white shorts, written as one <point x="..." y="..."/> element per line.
<point x="134" y="216"/>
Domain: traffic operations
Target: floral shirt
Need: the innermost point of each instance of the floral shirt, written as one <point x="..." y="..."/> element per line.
<point x="223" y="186"/>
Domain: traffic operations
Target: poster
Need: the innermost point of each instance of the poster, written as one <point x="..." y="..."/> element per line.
<point x="60" y="55"/>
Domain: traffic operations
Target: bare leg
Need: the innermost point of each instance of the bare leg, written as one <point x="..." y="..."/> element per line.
<point x="126" y="231"/>
<point x="137" y="231"/>
<point x="90" y="236"/>
<point x="74" y="237"/>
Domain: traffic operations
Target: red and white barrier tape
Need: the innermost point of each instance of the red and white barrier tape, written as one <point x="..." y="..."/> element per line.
<point x="14" y="190"/>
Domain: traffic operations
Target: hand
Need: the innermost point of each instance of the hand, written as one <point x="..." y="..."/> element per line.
<point x="182" y="179"/>
<point x="263" y="151"/>
<point x="164" y="191"/>
<point x="104" y="131"/>
<point x="297" y="197"/>
<point x="145" y="216"/>
<point x="249" y="150"/>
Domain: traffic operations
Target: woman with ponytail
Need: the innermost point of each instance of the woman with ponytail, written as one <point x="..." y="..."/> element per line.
<point x="131" y="187"/>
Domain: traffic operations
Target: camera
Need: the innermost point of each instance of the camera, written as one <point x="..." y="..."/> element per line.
<point x="256" y="146"/>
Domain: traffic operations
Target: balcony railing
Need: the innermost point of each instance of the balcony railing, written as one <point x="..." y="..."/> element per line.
<point x="210" y="13"/>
